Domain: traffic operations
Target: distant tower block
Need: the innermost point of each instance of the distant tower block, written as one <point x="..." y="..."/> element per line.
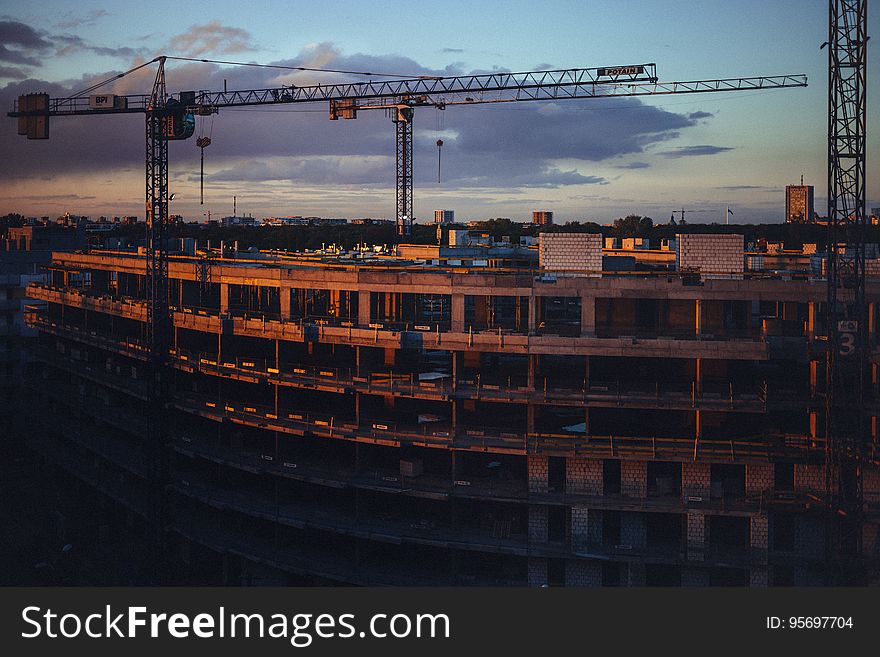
<point x="542" y="217"/>
<point x="444" y="216"/>
<point x="799" y="204"/>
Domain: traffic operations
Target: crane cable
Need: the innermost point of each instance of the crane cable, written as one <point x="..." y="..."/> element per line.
<point x="101" y="83"/>
<point x="109" y="80"/>
<point x="300" y="68"/>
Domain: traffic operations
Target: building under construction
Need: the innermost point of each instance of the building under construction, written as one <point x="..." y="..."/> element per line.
<point x="461" y="415"/>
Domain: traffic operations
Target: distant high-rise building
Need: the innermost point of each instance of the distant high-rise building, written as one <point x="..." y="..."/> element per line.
<point x="444" y="216"/>
<point x="799" y="204"/>
<point x="542" y="217"/>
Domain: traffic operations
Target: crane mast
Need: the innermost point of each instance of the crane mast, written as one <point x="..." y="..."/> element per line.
<point x="847" y="437"/>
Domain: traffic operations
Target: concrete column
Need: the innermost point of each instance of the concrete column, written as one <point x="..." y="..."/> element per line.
<point x="814" y="377"/>
<point x="588" y="316"/>
<point x="363" y="308"/>
<point x="284" y="298"/>
<point x="533" y="370"/>
<point x="533" y="313"/>
<point x="224" y="297"/>
<point x="811" y="320"/>
<point x="458" y="313"/>
<point x="698" y="317"/>
<point x="454" y="418"/>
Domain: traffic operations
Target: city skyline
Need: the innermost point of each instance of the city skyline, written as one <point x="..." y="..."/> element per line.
<point x="591" y="160"/>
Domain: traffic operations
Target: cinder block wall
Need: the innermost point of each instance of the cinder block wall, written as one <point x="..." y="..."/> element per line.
<point x="571" y="251"/>
<point x="711" y="254"/>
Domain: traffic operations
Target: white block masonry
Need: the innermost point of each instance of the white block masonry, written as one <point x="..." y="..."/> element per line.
<point x="715" y="256"/>
<point x="571" y="252"/>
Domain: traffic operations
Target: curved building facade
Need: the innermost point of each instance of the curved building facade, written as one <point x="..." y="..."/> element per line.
<point x="435" y="422"/>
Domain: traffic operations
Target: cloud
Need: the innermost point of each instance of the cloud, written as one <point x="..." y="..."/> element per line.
<point x="634" y="165"/>
<point x="211" y="39"/>
<point x="738" y="188"/>
<point x="67" y="44"/>
<point x="57" y="197"/>
<point x="30" y="47"/>
<point x="27" y="44"/>
<point x="694" y="116"/>
<point x="452" y="50"/>
<point x="12" y="73"/>
<point x="89" y="18"/>
<point x="19" y="34"/>
<point x="695" y="151"/>
<point x="538" y="145"/>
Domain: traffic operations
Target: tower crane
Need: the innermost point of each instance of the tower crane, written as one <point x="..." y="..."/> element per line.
<point x="847" y="439"/>
<point x="172" y="117"/>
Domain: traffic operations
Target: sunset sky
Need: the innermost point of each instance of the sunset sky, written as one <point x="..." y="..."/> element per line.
<point x="585" y="160"/>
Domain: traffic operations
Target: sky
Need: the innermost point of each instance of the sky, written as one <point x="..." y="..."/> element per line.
<point x="585" y="160"/>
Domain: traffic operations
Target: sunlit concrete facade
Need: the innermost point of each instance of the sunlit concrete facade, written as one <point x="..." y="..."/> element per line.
<point x="400" y="423"/>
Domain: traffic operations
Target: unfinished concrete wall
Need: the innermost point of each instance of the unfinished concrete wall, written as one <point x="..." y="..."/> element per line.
<point x="570" y="251"/>
<point x="721" y="255"/>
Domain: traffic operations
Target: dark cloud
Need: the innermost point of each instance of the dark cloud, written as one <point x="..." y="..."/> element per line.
<point x="19" y="34"/>
<point x="634" y="165"/>
<point x="89" y="18"/>
<point x="31" y="47"/>
<point x="695" y="151"/>
<point x="212" y="38"/>
<point x="694" y="116"/>
<point x="58" y="197"/>
<point x="521" y="145"/>
<point x="67" y="44"/>
<point x="12" y="73"/>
